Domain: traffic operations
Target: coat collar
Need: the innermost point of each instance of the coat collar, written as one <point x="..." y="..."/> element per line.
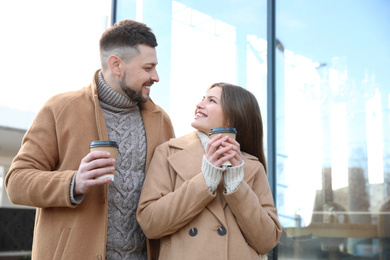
<point x="187" y="161"/>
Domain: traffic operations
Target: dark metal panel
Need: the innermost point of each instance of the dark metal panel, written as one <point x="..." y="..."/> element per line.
<point x="271" y="104"/>
<point x="113" y="12"/>
<point x="271" y="95"/>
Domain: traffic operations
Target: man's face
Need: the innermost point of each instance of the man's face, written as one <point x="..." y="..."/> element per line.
<point x="140" y="74"/>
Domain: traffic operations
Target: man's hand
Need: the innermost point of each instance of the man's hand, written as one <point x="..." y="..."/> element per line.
<point x="93" y="165"/>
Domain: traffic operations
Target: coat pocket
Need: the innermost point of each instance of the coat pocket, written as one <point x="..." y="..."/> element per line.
<point x="61" y="244"/>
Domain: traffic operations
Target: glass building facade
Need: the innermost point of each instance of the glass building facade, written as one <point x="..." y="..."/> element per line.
<point x="318" y="69"/>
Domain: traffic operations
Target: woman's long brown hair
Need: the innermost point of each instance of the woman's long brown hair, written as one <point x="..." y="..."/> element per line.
<point x="242" y="111"/>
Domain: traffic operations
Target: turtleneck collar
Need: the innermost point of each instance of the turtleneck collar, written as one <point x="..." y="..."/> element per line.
<point x="204" y="139"/>
<point x="110" y="97"/>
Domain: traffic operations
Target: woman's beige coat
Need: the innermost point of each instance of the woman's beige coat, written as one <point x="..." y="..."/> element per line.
<point x="192" y="223"/>
<point x="41" y="173"/>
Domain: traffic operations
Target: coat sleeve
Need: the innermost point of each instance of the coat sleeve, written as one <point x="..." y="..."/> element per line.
<point x="163" y="209"/>
<point x="33" y="179"/>
<point x="255" y="212"/>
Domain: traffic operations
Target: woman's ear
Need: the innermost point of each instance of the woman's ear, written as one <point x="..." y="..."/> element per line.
<point x="115" y="64"/>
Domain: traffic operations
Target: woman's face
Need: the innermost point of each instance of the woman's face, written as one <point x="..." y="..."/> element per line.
<point x="208" y="112"/>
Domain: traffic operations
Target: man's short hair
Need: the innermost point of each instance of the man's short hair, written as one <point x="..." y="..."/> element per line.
<point x="123" y="39"/>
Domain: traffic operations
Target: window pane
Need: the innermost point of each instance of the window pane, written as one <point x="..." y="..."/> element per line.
<point x="333" y="128"/>
<point x="200" y="43"/>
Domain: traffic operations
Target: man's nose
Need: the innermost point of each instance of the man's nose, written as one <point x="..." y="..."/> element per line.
<point x="155" y="77"/>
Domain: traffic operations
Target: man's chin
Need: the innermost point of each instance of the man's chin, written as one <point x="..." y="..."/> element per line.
<point x="144" y="99"/>
<point x="139" y="98"/>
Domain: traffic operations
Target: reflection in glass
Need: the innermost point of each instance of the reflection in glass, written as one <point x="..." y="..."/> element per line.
<point x="200" y="43"/>
<point x="334" y="123"/>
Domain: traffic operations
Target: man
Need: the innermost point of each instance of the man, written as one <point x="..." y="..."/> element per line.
<point x="78" y="216"/>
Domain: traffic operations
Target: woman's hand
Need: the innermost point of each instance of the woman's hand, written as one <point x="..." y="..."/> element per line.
<point x="221" y="149"/>
<point x="237" y="159"/>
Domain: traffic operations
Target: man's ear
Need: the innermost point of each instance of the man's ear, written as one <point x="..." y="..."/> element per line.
<point x="115" y="65"/>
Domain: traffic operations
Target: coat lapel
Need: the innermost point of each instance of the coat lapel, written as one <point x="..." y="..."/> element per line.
<point x="187" y="155"/>
<point x="217" y="205"/>
<point x="187" y="163"/>
<point x="150" y="116"/>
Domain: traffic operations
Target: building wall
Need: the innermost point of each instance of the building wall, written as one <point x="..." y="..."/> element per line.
<point x="332" y="94"/>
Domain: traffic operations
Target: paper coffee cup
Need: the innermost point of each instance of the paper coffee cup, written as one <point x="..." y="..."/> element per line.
<point x="224" y="131"/>
<point x="107" y="146"/>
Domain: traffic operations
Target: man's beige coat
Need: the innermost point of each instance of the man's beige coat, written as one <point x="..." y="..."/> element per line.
<point x="176" y="206"/>
<point x="41" y="173"/>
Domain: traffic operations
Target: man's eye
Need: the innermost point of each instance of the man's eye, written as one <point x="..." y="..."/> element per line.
<point x="148" y="69"/>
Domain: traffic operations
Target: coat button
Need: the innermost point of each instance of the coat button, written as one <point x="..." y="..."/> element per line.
<point x="99" y="257"/>
<point x="193" y="232"/>
<point x="221" y="230"/>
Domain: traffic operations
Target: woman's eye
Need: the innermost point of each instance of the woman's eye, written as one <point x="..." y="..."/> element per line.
<point x="212" y="100"/>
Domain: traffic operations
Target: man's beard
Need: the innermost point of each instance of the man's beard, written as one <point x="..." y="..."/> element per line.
<point x="132" y="94"/>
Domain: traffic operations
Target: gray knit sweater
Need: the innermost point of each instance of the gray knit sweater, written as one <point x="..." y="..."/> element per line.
<point x="125" y="239"/>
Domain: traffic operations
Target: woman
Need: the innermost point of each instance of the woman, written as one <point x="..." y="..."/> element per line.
<point x="200" y="210"/>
